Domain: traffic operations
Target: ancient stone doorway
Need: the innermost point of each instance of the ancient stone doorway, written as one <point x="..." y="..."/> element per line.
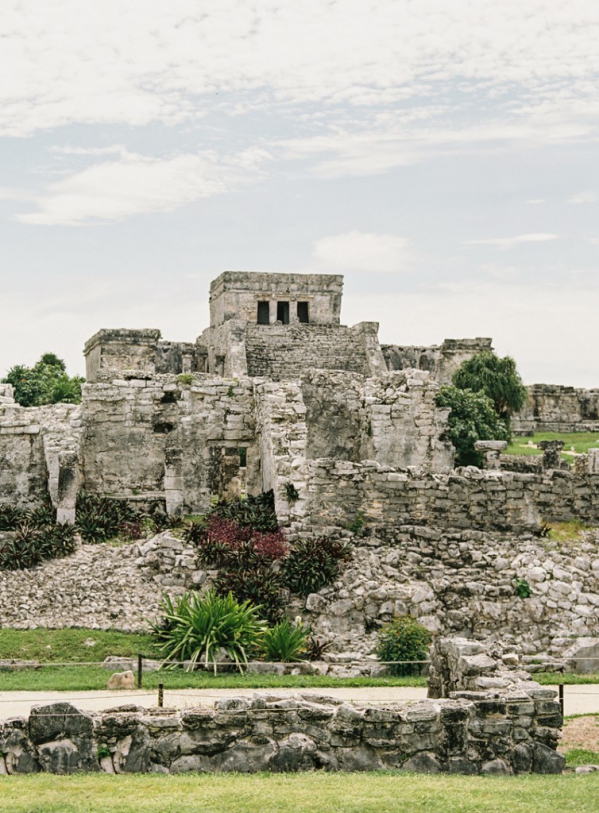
<point x="302" y="312"/>
<point x="263" y="313"/>
<point x="283" y="312"/>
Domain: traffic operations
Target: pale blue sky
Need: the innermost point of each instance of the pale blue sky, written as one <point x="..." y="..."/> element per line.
<point x="442" y="156"/>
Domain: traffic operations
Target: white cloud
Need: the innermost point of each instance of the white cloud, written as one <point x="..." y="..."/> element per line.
<point x="145" y="61"/>
<point x="583" y="197"/>
<point x="363" y="252"/>
<point x="508" y="242"/>
<point x="536" y="201"/>
<point x="133" y="184"/>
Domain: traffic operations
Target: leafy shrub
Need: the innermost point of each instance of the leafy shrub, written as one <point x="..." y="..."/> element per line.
<point x="245" y="558"/>
<point x="261" y="586"/>
<point x="291" y="492"/>
<point x="11" y="517"/>
<point x="523" y="588"/>
<point x="42" y="516"/>
<point x="403" y="639"/>
<point x="313" y="564"/>
<point x="101" y="518"/>
<point x="196" y="627"/>
<point x="285" y="642"/>
<point x="225" y="543"/>
<point x="472" y="418"/>
<point x="58" y="541"/>
<point x="22" y="550"/>
<point x="36" y="537"/>
<point x="257" y="512"/>
<point x="315" y="648"/>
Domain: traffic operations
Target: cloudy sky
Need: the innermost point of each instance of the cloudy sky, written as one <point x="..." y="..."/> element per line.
<point x="443" y="156"/>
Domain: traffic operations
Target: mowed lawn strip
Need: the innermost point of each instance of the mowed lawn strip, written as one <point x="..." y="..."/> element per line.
<point x="307" y="792"/>
<point x="68" y="646"/>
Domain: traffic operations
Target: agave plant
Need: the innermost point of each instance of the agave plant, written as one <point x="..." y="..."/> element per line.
<point x="285" y="642"/>
<point x="196" y="627"/>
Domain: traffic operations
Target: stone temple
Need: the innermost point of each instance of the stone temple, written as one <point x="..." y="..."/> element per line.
<point x="275" y="391"/>
<point x="277" y="394"/>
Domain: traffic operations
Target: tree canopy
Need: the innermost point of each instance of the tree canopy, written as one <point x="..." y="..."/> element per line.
<point x="47" y="382"/>
<point x="496" y="377"/>
<point x="472" y="418"/>
<point x="486" y="392"/>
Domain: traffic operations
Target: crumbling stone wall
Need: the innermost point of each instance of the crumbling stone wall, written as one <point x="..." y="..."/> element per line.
<point x="387" y="418"/>
<point x="441" y="361"/>
<point x="145" y="439"/>
<point x="110" y="353"/>
<point x="552" y="408"/>
<point x="461" y="583"/>
<point x="32" y="441"/>
<point x="339" y="491"/>
<point x="295" y="732"/>
<point x="281" y="352"/>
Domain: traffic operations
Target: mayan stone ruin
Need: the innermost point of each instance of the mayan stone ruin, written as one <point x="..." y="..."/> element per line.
<point x="276" y="394"/>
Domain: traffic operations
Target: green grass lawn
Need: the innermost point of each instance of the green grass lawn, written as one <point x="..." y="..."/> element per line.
<point x="581" y="441"/>
<point x="299" y="793"/>
<point x="68" y="645"/>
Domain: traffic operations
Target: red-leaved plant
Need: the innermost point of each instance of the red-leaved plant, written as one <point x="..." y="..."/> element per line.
<point x="222" y="543"/>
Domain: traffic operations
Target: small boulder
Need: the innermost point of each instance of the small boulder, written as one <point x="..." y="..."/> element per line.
<point x="122" y="680"/>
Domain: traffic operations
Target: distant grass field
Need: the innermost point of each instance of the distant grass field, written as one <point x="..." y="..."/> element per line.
<point x="579" y="442"/>
<point x="299" y="793"/>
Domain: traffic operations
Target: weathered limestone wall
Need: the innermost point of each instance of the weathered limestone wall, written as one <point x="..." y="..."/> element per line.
<point x="339" y="491"/>
<point x="112" y="352"/>
<point x="235" y="295"/>
<point x="295" y="732"/>
<point x="223" y="349"/>
<point x="31" y="443"/>
<point x="388" y="418"/>
<point x="553" y="408"/>
<point x="441" y="361"/>
<point x="153" y="438"/>
<point x="282" y="436"/>
<point x="287" y="351"/>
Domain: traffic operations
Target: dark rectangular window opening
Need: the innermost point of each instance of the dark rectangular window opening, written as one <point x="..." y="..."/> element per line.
<point x="243" y="457"/>
<point x="302" y="312"/>
<point x="263" y="313"/>
<point x="283" y="312"/>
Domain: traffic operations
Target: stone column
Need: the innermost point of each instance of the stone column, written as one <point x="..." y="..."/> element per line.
<point x="68" y="485"/>
<point x="552" y="450"/>
<point x="491" y="452"/>
<point x="173" y="482"/>
<point x="593" y="461"/>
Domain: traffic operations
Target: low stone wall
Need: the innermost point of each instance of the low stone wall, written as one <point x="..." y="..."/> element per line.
<point x="483" y="733"/>
<point x="340" y="491"/>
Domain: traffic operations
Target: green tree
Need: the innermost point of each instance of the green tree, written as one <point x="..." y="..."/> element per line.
<point x="47" y="382"/>
<point x="497" y="378"/>
<point x="472" y="417"/>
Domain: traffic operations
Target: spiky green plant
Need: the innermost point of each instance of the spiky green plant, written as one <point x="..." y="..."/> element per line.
<point x="285" y="642"/>
<point x="196" y="627"/>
